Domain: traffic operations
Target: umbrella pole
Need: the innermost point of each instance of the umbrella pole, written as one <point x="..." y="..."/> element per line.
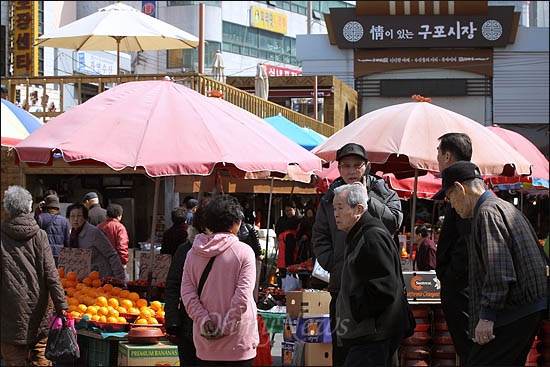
<point x="413" y="211"/>
<point x="267" y="225"/>
<point x="152" y="239"/>
<point x="118" y="56"/>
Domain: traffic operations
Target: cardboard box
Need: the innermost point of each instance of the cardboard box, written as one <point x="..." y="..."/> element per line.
<point x="300" y="304"/>
<point x="318" y="354"/>
<point x="313" y="329"/>
<point x="161" y="354"/>
<point x="289" y="329"/>
<point x="287" y="353"/>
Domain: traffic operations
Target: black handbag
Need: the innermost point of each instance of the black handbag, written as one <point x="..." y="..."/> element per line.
<point x="62" y="343"/>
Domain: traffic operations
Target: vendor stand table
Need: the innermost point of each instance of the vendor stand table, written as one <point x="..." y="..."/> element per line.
<point x="274" y="322"/>
<point x="98" y="348"/>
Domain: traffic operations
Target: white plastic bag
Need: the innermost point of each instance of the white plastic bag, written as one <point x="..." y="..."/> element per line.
<point x="291" y="283"/>
<point x="320" y="273"/>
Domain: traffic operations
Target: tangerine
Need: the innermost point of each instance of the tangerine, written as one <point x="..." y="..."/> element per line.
<point x="115" y="291"/>
<point x="108" y="287"/>
<point x="113" y="302"/>
<point x="87" y="281"/>
<point x="73" y="301"/>
<point x="112" y="319"/>
<point x="96" y="283"/>
<point x="102" y="318"/>
<point x="121" y="320"/>
<point x="94" y="275"/>
<point x="82" y="308"/>
<point x="104" y="311"/>
<point x="113" y="312"/>
<point x="101" y="301"/>
<point x="141" y="303"/>
<point x="127" y="304"/>
<point x="133" y="311"/>
<point x="124" y="293"/>
<point x="152" y="321"/>
<point x="156" y="305"/>
<point x="121" y="309"/>
<point x="95" y="318"/>
<point x="61" y="272"/>
<point x="134" y="296"/>
<point x="70" y="291"/>
<point x="75" y="314"/>
<point x="141" y="321"/>
<point x="71" y="275"/>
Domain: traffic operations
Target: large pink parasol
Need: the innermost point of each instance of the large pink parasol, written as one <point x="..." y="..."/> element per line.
<point x="540" y="170"/>
<point x="403" y="137"/>
<point x="168" y="129"/>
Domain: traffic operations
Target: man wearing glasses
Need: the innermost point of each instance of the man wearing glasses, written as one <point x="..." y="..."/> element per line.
<point x="507" y="270"/>
<point x="329" y="242"/>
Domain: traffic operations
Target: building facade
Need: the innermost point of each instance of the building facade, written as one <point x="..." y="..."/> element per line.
<point x="505" y="83"/>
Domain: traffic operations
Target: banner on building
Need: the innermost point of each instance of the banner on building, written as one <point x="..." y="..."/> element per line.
<point x="268" y="20"/>
<point x="25" y="31"/>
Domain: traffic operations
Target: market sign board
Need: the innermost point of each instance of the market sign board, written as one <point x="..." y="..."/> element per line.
<point x="367" y="62"/>
<point x="268" y="20"/>
<point x="25" y="31"/>
<point x="426" y="31"/>
<point x="422" y="286"/>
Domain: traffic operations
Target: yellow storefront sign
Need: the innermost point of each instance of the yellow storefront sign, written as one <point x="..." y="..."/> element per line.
<point x="268" y="20"/>
<point x="25" y="31"/>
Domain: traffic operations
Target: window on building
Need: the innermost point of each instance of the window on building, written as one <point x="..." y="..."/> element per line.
<point x="3" y="48"/>
<point x="300" y="7"/>
<point x="180" y="3"/>
<point x="40" y="70"/>
<point x="189" y="58"/>
<point x="259" y="43"/>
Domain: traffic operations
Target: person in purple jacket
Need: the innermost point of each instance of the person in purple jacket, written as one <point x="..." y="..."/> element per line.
<point x="225" y="329"/>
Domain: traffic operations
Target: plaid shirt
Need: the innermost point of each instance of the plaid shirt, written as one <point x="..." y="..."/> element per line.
<point x="507" y="270"/>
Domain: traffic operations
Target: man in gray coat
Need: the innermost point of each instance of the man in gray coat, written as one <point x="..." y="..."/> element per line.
<point x="328" y="241"/>
<point x="29" y="279"/>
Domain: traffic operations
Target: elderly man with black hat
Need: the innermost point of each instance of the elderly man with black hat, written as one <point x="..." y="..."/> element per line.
<point x="329" y="242"/>
<point x="96" y="214"/>
<point x="507" y="270"/>
<point x="57" y="227"/>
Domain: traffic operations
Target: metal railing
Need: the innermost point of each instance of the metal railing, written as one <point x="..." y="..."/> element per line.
<point x="197" y="82"/>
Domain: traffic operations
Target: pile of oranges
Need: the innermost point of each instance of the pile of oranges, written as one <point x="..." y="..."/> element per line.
<point x="107" y="303"/>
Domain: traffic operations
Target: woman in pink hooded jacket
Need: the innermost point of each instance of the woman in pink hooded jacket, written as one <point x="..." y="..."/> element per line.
<point x="225" y="326"/>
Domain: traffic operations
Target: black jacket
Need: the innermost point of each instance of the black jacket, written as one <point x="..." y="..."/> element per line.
<point x="371" y="297"/>
<point x="328" y="241"/>
<point x="176" y="318"/>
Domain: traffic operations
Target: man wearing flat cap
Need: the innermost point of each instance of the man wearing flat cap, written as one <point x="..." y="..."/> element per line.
<point x="57" y="227"/>
<point x="329" y="242"/>
<point x="96" y="214"/>
<point x="507" y="270"/>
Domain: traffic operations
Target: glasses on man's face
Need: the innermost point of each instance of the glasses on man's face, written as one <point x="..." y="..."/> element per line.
<point x="448" y="194"/>
<point x="356" y="166"/>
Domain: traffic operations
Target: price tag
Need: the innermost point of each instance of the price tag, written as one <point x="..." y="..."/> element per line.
<point x="78" y="260"/>
<point x="161" y="264"/>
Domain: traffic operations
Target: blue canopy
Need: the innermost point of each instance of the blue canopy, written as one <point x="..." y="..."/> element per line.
<point x="304" y="137"/>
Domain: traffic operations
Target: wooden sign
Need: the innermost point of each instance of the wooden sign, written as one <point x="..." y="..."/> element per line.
<point x="78" y="260"/>
<point x="161" y="264"/>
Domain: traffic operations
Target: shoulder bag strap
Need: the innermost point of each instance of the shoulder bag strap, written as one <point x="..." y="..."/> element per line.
<point x="204" y="275"/>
